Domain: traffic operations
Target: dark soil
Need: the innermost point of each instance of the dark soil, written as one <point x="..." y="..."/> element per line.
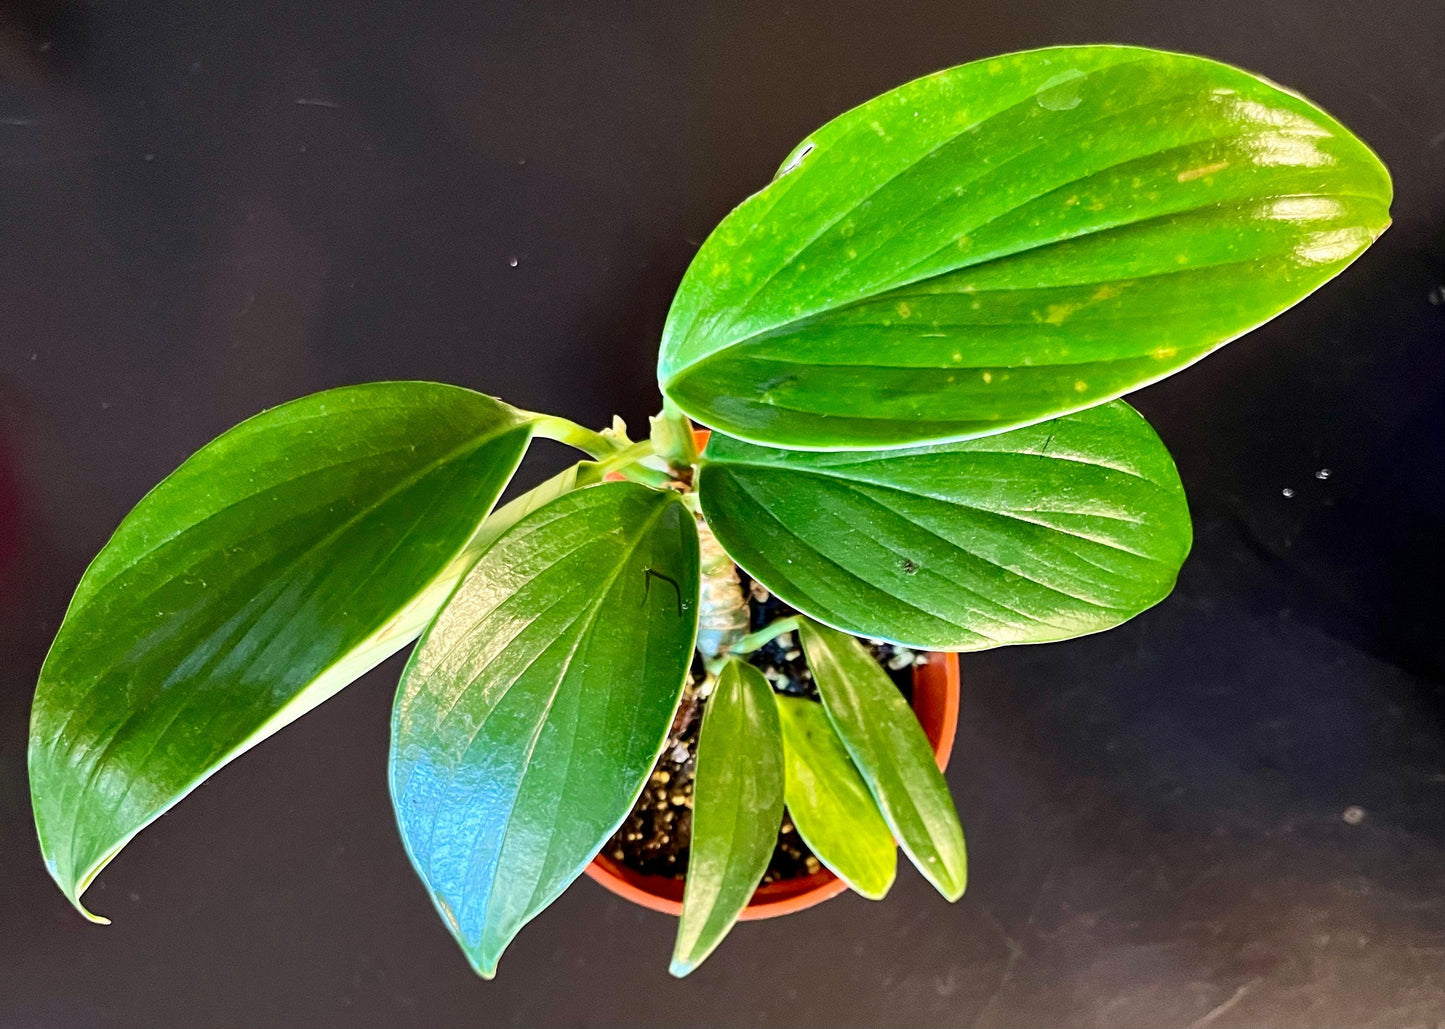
<point x="654" y="839"/>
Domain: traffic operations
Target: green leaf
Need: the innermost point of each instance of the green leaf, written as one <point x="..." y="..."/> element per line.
<point x="1042" y="533"/>
<point x="535" y="706"/>
<point x="737" y="809"/>
<point x="1011" y="240"/>
<point x="830" y="804"/>
<point x="885" y="741"/>
<point x="583" y="473"/>
<point x="284" y="559"/>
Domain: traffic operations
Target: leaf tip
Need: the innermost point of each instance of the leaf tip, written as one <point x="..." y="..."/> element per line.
<point x="484" y="964"/>
<point x="90" y="916"/>
<point x="953" y="887"/>
<point x="73" y="888"/>
<point x="875" y="892"/>
<point x="680" y="968"/>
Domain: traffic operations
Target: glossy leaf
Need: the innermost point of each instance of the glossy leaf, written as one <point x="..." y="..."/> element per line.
<point x="737" y="809"/>
<point x="1010" y="240"/>
<point x="535" y="706"/>
<point x="584" y="473"/>
<point x="889" y="748"/>
<point x="284" y="559"/>
<point x="1042" y="533"/>
<point x="829" y="802"/>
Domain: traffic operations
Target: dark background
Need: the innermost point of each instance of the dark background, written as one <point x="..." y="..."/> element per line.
<point x="1229" y="811"/>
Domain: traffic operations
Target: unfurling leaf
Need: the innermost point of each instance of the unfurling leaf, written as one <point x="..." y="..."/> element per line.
<point x="888" y="746"/>
<point x="829" y="802"/>
<point x="737" y="810"/>
<point x="1011" y="240"/>
<point x="284" y="559"/>
<point x="535" y="706"/>
<point x="1042" y="533"/>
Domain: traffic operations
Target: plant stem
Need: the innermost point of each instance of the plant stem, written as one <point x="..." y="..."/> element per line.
<point x="620" y="458"/>
<point x="722" y="610"/>
<point x="627" y="463"/>
<point x="672" y="437"/>
<point x="757" y="640"/>
<point x="593" y="444"/>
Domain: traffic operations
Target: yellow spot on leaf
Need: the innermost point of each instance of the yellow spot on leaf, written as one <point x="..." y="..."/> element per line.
<point x="1163" y="353"/>
<point x="1059" y="313"/>
<point x="987" y="378"/>
<point x="904" y="311"/>
<point x="1108" y="291"/>
<point x="1080" y="386"/>
<point x="1190" y="174"/>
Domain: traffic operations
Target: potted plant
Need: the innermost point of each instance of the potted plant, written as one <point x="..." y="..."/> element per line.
<point x="909" y="348"/>
<point x="655" y="880"/>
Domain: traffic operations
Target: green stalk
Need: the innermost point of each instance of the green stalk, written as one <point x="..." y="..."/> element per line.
<point x="756" y="640"/>
<point x="672" y="437"/>
<point x="626" y="462"/>
<point x="594" y="444"/>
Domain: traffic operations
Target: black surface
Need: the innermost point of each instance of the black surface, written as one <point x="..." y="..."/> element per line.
<point x="207" y="208"/>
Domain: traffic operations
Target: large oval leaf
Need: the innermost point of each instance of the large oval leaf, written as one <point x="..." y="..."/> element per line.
<point x="1010" y="240"/>
<point x="830" y="804"/>
<point x="737" y="808"/>
<point x="280" y="562"/>
<point x="536" y="705"/>
<point x="1043" y="533"/>
<point x="889" y="748"/>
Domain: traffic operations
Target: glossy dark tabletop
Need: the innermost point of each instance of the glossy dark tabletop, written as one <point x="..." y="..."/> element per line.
<point x="1230" y="811"/>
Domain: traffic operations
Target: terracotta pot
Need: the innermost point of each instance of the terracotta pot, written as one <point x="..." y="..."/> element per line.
<point x="935" y="702"/>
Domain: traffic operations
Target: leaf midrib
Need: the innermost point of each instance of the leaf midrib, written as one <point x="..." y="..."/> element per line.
<point x="588" y="616"/>
<point x="100" y="760"/>
<point x="820" y="316"/>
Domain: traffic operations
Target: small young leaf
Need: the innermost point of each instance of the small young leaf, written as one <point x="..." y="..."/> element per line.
<point x="284" y="559"/>
<point x="886" y="743"/>
<point x="535" y="706"/>
<point x="1011" y="240"/>
<point x="737" y="808"/>
<point x="1042" y="533"/>
<point x="829" y="802"/>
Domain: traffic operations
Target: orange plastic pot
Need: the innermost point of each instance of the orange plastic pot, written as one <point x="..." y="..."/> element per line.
<point x="935" y="703"/>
